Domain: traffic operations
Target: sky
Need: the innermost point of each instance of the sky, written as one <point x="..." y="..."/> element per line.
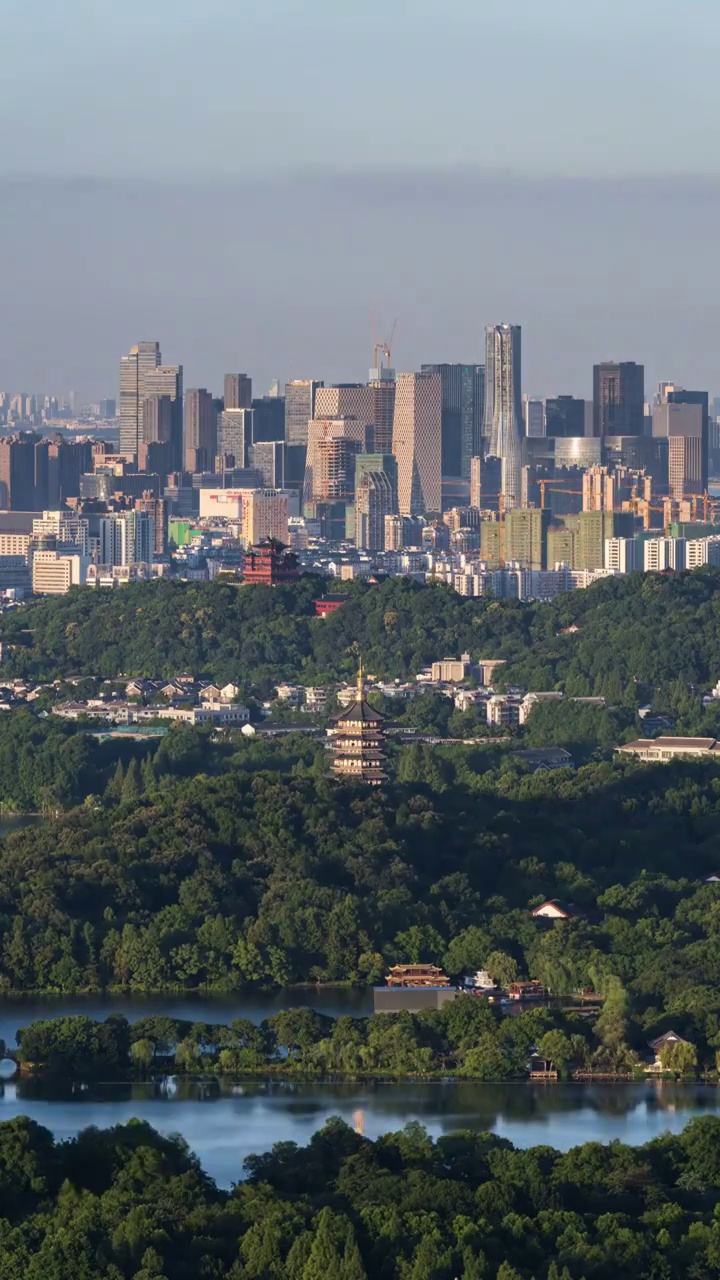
<point x="247" y="181"/>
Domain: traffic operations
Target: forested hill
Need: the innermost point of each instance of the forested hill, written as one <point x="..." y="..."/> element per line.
<point x="643" y="628"/>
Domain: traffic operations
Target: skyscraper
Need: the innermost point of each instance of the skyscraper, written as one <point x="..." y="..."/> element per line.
<point x="167" y="380"/>
<point x="268" y="457"/>
<point x="234" y="434"/>
<point x="684" y="427"/>
<point x="238" y="391"/>
<point x="299" y="408"/>
<point x="417" y="442"/>
<point x="463" y="393"/>
<point x="375" y="498"/>
<point x="134" y="369"/>
<point x="680" y="395"/>
<point x="618" y="399"/>
<point x="17" y="473"/>
<point x="503" y="405"/>
<point x="333" y="444"/>
<point x="564" y="417"/>
<point x="157" y="417"/>
<point x="533" y="417"/>
<point x="200" y="430"/>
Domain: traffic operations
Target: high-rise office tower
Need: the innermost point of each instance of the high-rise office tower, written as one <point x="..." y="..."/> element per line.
<point x="685" y="428"/>
<point x="417" y="442"/>
<point x="66" y="462"/>
<point x="463" y="394"/>
<point x="680" y="395"/>
<point x="238" y="391"/>
<point x="533" y="417"/>
<point x="200" y="430"/>
<point x="134" y="369"/>
<point x="347" y="400"/>
<point x="18" y="490"/>
<point x="235" y="434"/>
<point x="383" y="408"/>
<point x="167" y="380"/>
<point x="299" y="409"/>
<point x="156" y="508"/>
<point x="108" y="409"/>
<point x="268" y="457"/>
<point x="268" y="418"/>
<point x="564" y="417"/>
<point x="375" y="498"/>
<point x="618" y="399"/>
<point x="333" y="444"/>
<point x="503" y="405"/>
<point x="158" y="418"/>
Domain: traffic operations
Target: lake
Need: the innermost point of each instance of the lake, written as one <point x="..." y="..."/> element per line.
<point x="223" y="1123"/>
<point x="19" y="1011"/>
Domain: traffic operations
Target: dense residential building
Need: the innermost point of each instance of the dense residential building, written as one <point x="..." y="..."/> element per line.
<point x="417" y="434"/>
<point x="618" y="399"/>
<point x="503" y="406"/>
<point x="62" y="531"/>
<point x="126" y="538"/>
<point x="156" y="508"/>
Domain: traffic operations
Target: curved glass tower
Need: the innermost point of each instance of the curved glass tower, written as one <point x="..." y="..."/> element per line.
<point x="503" y="405"/>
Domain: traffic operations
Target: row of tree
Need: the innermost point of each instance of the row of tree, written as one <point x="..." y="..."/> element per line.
<point x="467" y="1037"/>
<point x="128" y="1204"/>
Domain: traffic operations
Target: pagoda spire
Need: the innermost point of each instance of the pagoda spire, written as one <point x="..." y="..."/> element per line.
<point x="360" y="684"/>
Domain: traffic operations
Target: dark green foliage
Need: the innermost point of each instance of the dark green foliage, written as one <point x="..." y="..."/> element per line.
<point x="267" y="878"/>
<point x="125" y="1202"/>
<point x="648" y="629"/>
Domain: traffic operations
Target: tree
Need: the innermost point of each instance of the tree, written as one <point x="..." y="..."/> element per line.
<point x="502" y="968"/>
<point x="679" y="1056"/>
<point x="334" y="1250"/>
<point x="142" y="1053"/>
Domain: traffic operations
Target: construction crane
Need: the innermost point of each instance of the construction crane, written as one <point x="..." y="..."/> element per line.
<point x="385" y="349"/>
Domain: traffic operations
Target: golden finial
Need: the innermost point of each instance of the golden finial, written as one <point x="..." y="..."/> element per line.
<point x="361" y="691"/>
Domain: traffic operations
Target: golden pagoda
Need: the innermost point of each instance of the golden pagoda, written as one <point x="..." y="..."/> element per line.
<point x="357" y="738"/>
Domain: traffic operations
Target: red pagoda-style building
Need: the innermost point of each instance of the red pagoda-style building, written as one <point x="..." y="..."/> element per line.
<point x="357" y="738"/>
<point x="270" y="563"/>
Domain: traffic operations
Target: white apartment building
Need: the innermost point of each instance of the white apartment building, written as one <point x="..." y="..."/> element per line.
<point x="70" y="531"/>
<point x="663" y="553"/>
<point x="54" y="574"/>
<point x="127" y="538"/>
<point x="620" y="554"/>
<point x="501" y="711"/>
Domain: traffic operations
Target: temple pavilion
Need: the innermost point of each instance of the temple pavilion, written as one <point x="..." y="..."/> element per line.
<point x="357" y="738"/>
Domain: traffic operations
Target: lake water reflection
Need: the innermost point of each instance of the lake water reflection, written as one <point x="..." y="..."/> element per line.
<point x="223" y="1123"/>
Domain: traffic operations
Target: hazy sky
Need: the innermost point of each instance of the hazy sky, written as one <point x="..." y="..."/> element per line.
<point x="245" y="181"/>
